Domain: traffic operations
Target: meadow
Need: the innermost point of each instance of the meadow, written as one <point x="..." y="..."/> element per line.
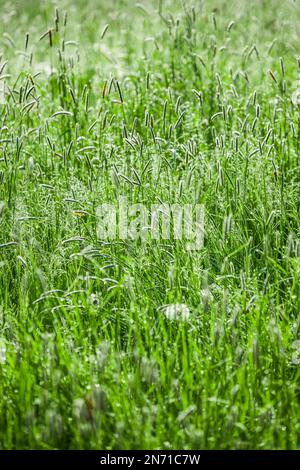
<point x="159" y="102"/>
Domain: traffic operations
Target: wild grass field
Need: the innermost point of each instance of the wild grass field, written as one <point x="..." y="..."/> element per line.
<point x="157" y="101"/>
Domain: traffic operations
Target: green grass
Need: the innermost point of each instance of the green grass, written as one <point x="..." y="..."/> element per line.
<point x="87" y="357"/>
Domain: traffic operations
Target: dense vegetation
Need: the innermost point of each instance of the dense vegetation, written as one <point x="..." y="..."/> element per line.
<point x="156" y="101"/>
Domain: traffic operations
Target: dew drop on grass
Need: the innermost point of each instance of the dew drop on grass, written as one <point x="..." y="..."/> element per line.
<point x="2" y="352"/>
